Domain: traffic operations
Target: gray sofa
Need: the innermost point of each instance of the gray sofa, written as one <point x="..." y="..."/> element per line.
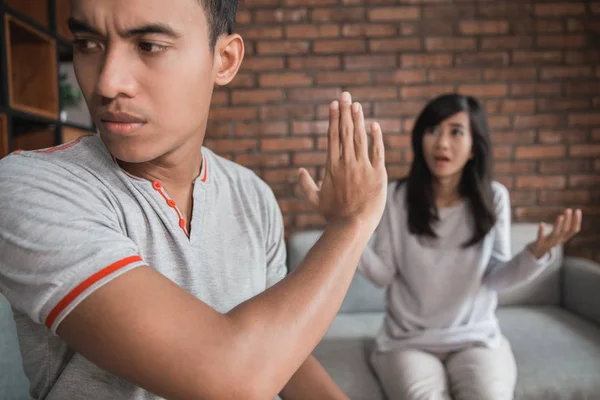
<point x="553" y="324"/>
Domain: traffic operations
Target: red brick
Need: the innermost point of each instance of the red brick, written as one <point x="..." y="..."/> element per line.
<point x="581" y="25"/>
<point x="538" y="121"/>
<point x="531" y="89"/>
<point x="215" y="130"/>
<point x="311" y="31"/>
<point x="368" y="30"/>
<point x="228" y="145"/>
<point x="507" y="181"/>
<point x="517" y="106"/>
<point x="566" y="72"/>
<point x="564" y="166"/>
<point x="393" y="13"/>
<point x="308" y="159"/>
<point x="434" y="28"/>
<point x="510" y="74"/>
<point x="314" y="95"/>
<point x="505" y="9"/>
<point x="584" y="180"/>
<point x="483" y="27"/>
<point x="562" y="136"/>
<point x="513" y="137"/>
<point x="343" y="78"/>
<point x="584" y="119"/>
<point x="219" y="98"/>
<point x="398" y="108"/>
<point x="561" y="104"/>
<point x="309" y="221"/>
<point x="482" y="59"/>
<point x="262" y="63"/>
<point x="287" y="112"/>
<point x="263" y="160"/>
<point x="537" y="57"/>
<point x="523" y="197"/>
<point x="293" y="206"/>
<point x="454" y="75"/>
<point x="310" y="127"/>
<point x="499" y="122"/>
<point x="562" y="41"/>
<point x="596" y="135"/>
<point x="559" y="9"/>
<point x="283" y="175"/>
<point x="506" y="42"/>
<point x="338" y="14"/>
<point x="283" y="47"/>
<point x="401" y="76"/>
<point x="540" y="182"/>
<point x="484" y="90"/>
<point x="271" y="32"/>
<point x="424" y="92"/>
<point x="397" y="171"/>
<point x="396" y="140"/>
<point x="425" y="60"/>
<point x="242" y="80"/>
<point x="448" y="12"/>
<point x="280" y="15"/>
<point x="394" y="45"/>
<point x="595" y="7"/>
<point x="339" y="46"/>
<point x="286" y="144"/>
<point x="388" y="125"/>
<point x="373" y="93"/>
<point x="393" y="156"/>
<point x="260" y="3"/>
<point x="261" y="129"/>
<point x="370" y="62"/>
<point x="564" y="196"/>
<point x="537" y="152"/>
<point x="314" y="62"/>
<point x="514" y="167"/>
<point x="538" y="26"/>
<point x="583" y="88"/>
<point x="585" y="150"/>
<point x="232" y="114"/>
<point x="256" y="96"/>
<point x="450" y="44"/>
<point x="243" y="17"/>
<point x="286" y="79"/>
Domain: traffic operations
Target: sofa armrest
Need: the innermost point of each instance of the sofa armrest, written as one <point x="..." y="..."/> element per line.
<point x="581" y="288"/>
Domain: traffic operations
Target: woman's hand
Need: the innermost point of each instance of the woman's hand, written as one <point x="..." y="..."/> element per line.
<point x="566" y="226"/>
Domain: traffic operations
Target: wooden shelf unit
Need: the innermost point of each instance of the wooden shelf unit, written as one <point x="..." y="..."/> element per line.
<point x="36" y="40"/>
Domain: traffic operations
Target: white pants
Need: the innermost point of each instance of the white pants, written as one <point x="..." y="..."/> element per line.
<point x="475" y="373"/>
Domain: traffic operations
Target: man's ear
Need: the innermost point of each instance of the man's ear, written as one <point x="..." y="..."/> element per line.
<point x="229" y="53"/>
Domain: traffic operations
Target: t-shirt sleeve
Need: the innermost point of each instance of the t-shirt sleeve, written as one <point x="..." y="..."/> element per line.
<point x="60" y="239"/>
<point x="275" y="245"/>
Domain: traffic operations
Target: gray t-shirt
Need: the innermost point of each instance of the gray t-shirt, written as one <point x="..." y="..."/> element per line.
<point x="440" y="296"/>
<point x="73" y="220"/>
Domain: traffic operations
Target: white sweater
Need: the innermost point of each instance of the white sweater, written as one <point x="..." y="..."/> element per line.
<point x="440" y="296"/>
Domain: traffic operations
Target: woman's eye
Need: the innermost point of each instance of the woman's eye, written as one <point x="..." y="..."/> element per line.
<point x="457" y="132"/>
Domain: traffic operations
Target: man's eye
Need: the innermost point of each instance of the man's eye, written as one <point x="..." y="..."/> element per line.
<point x="151" y="47"/>
<point x="85" y="44"/>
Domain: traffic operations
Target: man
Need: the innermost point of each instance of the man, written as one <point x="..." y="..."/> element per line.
<point x="141" y="265"/>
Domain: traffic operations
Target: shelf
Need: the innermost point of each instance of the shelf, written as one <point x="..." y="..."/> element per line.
<point x="70" y="133"/>
<point x="63" y="9"/>
<point x="29" y="135"/>
<point x="37" y="10"/>
<point x="3" y="135"/>
<point x="32" y="69"/>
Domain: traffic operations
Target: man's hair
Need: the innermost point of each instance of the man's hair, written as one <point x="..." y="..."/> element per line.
<point x="221" y="18"/>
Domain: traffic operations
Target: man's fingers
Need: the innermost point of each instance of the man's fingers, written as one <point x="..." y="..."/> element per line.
<point x="540" y="235"/>
<point x="377" y="150"/>
<point x="347" y="127"/>
<point x="575" y="225"/>
<point x="309" y="189"/>
<point x="333" y="153"/>
<point x="361" y="142"/>
<point x="568" y="215"/>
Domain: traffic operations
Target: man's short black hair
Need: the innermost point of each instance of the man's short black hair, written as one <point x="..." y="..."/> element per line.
<point x="221" y="17"/>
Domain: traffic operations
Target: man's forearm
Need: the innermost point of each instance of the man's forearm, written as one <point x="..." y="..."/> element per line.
<point x="311" y="381"/>
<point x="279" y="328"/>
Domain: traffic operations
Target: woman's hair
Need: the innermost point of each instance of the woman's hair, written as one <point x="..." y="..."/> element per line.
<point x="476" y="181"/>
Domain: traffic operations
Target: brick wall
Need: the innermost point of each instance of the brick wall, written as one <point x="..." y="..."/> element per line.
<point x="535" y="65"/>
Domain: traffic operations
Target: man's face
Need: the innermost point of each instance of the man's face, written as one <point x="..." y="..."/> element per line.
<point x="146" y="71"/>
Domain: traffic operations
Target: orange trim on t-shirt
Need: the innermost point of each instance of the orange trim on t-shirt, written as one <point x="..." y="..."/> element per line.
<point x="83" y="286"/>
<point x="62" y="147"/>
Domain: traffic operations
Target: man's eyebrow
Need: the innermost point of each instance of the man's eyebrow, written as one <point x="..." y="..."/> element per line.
<point x="77" y="26"/>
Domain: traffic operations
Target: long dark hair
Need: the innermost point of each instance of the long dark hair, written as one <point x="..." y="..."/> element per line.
<point x="476" y="181"/>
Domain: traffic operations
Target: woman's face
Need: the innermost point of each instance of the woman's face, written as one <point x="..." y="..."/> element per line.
<point x="448" y="146"/>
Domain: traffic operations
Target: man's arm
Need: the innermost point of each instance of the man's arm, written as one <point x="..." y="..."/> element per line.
<point x="150" y="331"/>
<point x="311" y="381"/>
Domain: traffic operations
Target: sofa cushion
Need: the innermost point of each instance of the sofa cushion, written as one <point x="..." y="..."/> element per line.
<point x="363" y="296"/>
<point x="13" y="383"/>
<point x="557" y="353"/>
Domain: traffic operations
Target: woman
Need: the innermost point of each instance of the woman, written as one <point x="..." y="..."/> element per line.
<point x="442" y="249"/>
